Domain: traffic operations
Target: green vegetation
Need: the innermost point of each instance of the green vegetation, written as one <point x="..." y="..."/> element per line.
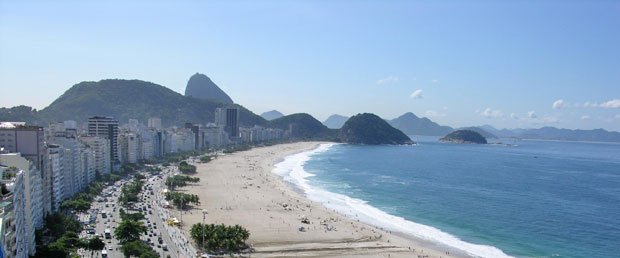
<point x="138" y="249"/>
<point x="129" y="193"/>
<point x="219" y="238"/>
<point x="186" y="168"/>
<point x="370" y="129"/>
<point x="181" y="200"/>
<point x="130" y="216"/>
<point x="464" y="136"/>
<point x="206" y="158"/>
<point x="59" y="238"/>
<point x="124" y="99"/>
<point x="236" y="148"/>
<point x="129" y="230"/>
<point x="179" y="181"/>
<point x="304" y="127"/>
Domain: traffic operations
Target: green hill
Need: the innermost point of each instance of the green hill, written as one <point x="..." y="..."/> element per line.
<point x="304" y="126"/>
<point x="125" y="99"/>
<point x="370" y="129"/>
<point x="464" y="136"/>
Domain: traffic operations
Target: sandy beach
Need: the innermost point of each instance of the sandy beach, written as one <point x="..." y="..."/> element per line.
<point x="240" y="188"/>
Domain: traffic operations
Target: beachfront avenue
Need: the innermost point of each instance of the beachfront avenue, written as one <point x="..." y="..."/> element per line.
<point x="105" y="216"/>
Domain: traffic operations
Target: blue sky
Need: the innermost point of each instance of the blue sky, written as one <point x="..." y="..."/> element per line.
<point x="460" y="63"/>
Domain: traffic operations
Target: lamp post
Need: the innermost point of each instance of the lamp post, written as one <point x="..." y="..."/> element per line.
<point x="204" y="215"/>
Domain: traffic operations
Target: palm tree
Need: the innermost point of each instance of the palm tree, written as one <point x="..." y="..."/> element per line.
<point x="129" y="230"/>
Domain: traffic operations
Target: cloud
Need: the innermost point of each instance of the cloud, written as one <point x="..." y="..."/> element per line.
<point x="417" y="94"/>
<point x="434" y="81"/>
<point x="617" y="116"/>
<point x="585" y="117"/>
<point x="549" y="120"/>
<point x="560" y="103"/>
<point x="531" y="114"/>
<point x="490" y="113"/>
<point x="432" y="113"/>
<point x="514" y="116"/>
<point x="614" y="103"/>
<point x="387" y="80"/>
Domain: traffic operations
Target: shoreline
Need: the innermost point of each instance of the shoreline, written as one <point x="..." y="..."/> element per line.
<point x="242" y="188"/>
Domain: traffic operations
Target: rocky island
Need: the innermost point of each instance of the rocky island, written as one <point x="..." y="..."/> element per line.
<point x="464" y="136"/>
<point x="370" y="129"/>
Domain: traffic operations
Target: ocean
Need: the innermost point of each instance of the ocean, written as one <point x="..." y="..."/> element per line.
<point x="527" y="199"/>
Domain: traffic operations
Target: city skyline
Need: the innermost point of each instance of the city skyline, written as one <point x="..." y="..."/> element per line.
<point x="518" y="64"/>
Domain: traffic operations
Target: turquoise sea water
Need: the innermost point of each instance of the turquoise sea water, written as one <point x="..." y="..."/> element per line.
<point x="536" y="199"/>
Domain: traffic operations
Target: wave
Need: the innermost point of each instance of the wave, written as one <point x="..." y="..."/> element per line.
<point x="291" y="169"/>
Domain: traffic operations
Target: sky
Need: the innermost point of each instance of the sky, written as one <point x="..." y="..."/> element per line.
<point x="508" y="64"/>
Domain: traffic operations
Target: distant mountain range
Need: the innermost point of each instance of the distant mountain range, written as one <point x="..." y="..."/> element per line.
<point x="271" y="115"/>
<point x="304" y="126"/>
<point x="335" y="121"/>
<point x="411" y="124"/>
<point x="125" y="99"/>
<point x="552" y="133"/>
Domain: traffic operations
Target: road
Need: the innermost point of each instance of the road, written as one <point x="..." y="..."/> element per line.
<point x="150" y="204"/>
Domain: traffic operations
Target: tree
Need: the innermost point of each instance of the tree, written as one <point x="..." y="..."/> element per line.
<point x="95" y="244"/>
<point x="186" y="168"/>
<point x="129" y="230"/>
<point x="137" y="248"/>
<point x="219" y="238"/>
<point x="131" y="216"/>
<point x="180" y="200"/>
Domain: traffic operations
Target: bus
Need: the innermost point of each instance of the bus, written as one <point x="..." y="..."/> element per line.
<point x="107" y="233"/>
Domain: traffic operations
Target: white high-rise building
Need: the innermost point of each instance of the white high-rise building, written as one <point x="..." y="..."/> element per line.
<point x="56" y="177"/>
<point x="215" y="136"/>
<point x="27" y="202"/>
<point x="130" y="147"/>
<point x="182" y="140"/>
<point x="100" y="149"/>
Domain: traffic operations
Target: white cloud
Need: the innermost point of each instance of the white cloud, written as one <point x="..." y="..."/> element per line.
<point x="585" y="117"/>
<point x="549" y="120"/>
<point x="490" y="113"/>
<point x="432" y="113"/>
<point x="560" y="103"/>
<point x="614" y="103"/>
<point x="387" y="80"/>
<point x="514" y="116"/>
<point x="531" y="114"/>
<point x="434" y="81"/>
<point x="417" y="94"/>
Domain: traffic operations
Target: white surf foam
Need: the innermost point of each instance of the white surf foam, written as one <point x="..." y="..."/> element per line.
<point x="291" y="169"/>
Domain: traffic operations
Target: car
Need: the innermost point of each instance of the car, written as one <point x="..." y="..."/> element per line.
<point x="110" y="248"/>
<point x="164" y="247"/>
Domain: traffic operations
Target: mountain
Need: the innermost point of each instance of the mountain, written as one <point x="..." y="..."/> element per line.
<point x="201" y="87"/>
<point x="303" y="126"/>
<point x="125" y="99"/>
<point x="481" y="131"/>
<point x="335" y="121"/>
<point x="552" y="133"/>
<point x="271" y="115"/>
<point x="19" y="114"/>
<point x="410" y="124"/>
<point x="464" y="136"/>
<point x="370" y="129"/>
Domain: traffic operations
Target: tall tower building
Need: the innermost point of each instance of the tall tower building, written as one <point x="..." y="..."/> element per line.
<point x="106" y="127"/>
<point x="228" y="117"/>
